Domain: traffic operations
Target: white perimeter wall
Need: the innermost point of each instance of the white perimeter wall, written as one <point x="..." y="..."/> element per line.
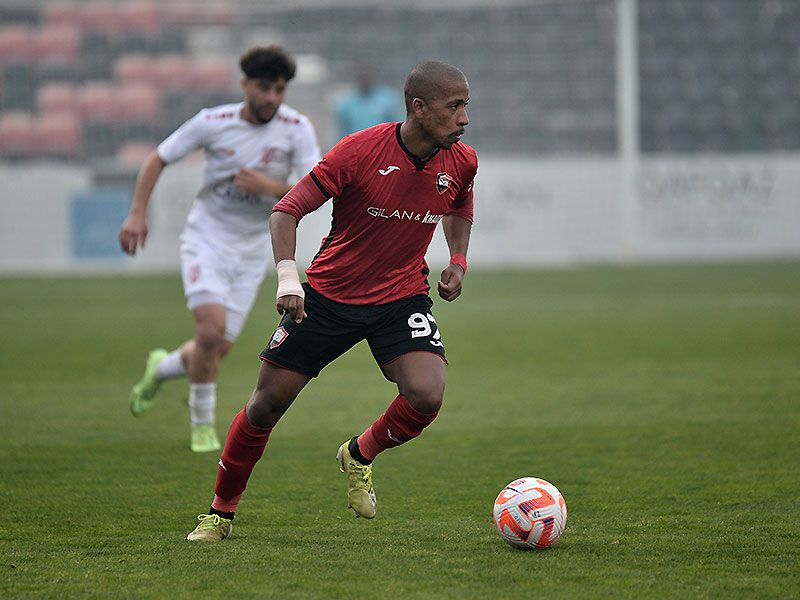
<point x="528" y="212"/>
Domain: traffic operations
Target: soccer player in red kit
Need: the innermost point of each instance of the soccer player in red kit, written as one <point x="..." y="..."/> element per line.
<point x="391" y="185"/>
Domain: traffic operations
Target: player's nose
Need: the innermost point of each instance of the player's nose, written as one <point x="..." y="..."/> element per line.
<point x="270" y="96"/>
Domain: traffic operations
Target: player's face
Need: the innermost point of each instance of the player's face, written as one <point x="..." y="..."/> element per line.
<point x="262" y="98"/>
<point x="445" y="116"/>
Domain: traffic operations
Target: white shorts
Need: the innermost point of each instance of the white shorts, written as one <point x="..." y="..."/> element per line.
<point x="215" y="275"/>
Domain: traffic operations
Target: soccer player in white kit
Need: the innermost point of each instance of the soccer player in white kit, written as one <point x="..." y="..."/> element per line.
<point x="251" y="149"/>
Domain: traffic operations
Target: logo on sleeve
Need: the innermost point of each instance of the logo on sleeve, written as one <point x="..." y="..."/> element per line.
<point x="442" y="182"/>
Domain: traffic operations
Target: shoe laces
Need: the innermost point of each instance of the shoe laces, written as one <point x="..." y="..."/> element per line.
<point x="361" y="474"/>
<point x="208" y="522"/>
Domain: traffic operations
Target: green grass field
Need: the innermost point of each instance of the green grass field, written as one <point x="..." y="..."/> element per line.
<point x="664" y="402"/>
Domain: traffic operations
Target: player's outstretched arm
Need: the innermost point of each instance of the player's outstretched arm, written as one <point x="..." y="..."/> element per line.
<point x="133" y="232"/>
<point x="290" y="296"/>
<point x="456" y="232"/>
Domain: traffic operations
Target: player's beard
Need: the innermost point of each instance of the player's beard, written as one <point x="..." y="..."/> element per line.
<point x="258" y="115"/>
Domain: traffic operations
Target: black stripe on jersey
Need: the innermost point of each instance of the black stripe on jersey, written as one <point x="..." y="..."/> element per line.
<point x="425" y="272"/>
<point x="319" y="185"/>
<point x="327" y="241"/>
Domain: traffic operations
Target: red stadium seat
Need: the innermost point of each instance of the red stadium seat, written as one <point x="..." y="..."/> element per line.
<point x="16" y="44"/>
<point x="59" y="135"/>
<point x="98" y="102"/>
<point x="180" y="13"/>
<point x="174" y="72"/>
<point x="211" y="74"/>
<point x="104" y="17"/>
<point x="57" y="97"/>
<point x="57" y="45"/>
<point x="132" y="154"/>
<point x="219" y="14"/>
<point x="136" y="68"/>
<point x="61" y="13"/>
<point x="142" y="17"/>
<point x="17" y="134"/>
<point x="139" y="103"/>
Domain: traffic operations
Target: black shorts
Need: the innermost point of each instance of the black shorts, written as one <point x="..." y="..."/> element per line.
<point x="332" y="328"/>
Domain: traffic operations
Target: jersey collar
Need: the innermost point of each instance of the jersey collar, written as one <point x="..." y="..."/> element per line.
<point x="418" y="162"/>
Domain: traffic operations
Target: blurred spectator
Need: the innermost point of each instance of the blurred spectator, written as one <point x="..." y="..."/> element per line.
<point x="368" y="104"/>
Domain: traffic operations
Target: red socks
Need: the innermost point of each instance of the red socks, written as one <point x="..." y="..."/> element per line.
<point x="399" y="424"/>
<point x="243" y="447"/>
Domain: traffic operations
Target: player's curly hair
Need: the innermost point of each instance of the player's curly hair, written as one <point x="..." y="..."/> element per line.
<point x="267" y="62"/>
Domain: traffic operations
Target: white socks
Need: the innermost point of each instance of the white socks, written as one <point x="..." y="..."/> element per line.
<point x="171" y="366"/>
<point x="203" y="402"/>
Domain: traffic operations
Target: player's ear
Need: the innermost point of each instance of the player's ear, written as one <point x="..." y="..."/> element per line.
<point x="418" y="107"/>
<point x="244" y="83"/>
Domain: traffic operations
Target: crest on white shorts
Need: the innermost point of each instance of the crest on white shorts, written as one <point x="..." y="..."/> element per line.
<point x="278" y="337"/>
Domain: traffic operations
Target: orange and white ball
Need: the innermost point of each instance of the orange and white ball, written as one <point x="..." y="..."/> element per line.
<point x="530" y="513"/>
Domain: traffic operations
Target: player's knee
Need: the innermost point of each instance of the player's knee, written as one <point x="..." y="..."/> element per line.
<point x="267" y="406"/>
<point x="211" y="339"/>
<point x="425" y="395"/>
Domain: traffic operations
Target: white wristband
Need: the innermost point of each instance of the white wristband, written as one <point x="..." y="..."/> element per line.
<point x="288" y="279"/>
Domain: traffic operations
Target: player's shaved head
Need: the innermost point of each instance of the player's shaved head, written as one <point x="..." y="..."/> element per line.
<point x="431" y="79"/>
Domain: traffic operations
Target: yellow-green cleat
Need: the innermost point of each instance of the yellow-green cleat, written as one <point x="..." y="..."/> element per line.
<point x="212" y="528"/>
<point x="143" y="394"/>
<point x="360" y="495"/>
<point x="204" y="438"/>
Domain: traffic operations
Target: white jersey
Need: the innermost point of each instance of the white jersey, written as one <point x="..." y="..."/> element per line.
<point x="220" y="212"/>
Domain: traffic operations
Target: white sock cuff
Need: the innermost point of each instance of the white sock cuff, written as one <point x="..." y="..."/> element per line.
<point x="202" y="402"/>
<point x="172" y="366"/>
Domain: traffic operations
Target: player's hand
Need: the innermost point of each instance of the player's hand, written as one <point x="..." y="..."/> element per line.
<point x="253" y="181"/>
<point x="133" y="233"/>
<point x="450" y="283"/>
<point x="294" y="305"/>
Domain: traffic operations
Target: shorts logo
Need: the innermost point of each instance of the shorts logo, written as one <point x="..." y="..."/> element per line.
<point x="442" y="182"/>
<point x="194" y="273"/>
<point x="278" y="337"/>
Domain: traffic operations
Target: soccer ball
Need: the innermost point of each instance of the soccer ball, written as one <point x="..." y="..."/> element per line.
<point x="530" y="513"/>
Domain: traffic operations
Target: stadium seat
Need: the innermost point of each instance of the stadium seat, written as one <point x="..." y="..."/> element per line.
<point x="103" y="17"/>
<point x="61" y="13"/>
<point x="57" y="97"/>
<point x="139" y="103"/>
<point x="132" y="153"/>
<point x="97" y="101"/>
<point x="57" y="46"/>
<point x="211" y="75"/>
<point x="179" y="14"/>
<point x="136" y="68"/>
<point x="58" y="135"/>
<point x="217" y="13"/>
<point x="142" y="17"/>
<point x="173" y="72"/>
<point x="16" y="44"/>
<point x="17" y="134"/>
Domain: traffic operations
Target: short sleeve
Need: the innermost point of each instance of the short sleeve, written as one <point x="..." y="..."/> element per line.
<point x="333" y="173"/>
<point x="186" y="139"/>
<point x="306" y="149"/>
<point x="463" y="204"/>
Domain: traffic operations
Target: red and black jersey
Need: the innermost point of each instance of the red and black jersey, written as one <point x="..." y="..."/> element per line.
<point x="386" y="205"/>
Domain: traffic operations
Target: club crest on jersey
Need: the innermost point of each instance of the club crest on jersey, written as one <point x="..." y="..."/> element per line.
<point x="442" y="182"/>
<point x="278" y="337"/>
